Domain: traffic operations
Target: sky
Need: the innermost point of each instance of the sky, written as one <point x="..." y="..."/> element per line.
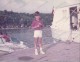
<point x="30" y="6"/>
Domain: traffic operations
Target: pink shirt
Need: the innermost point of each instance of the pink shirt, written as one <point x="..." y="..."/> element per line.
<point x="37" y="25"/>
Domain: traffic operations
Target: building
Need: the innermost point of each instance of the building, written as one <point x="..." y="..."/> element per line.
<point x="66" y="23"/>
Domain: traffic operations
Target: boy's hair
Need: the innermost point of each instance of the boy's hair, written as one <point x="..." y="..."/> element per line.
<point x="37" y="13"/>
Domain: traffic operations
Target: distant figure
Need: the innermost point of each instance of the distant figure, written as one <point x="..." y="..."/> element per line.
<point x="5" y="36"/>
<point x="37" y="25"/>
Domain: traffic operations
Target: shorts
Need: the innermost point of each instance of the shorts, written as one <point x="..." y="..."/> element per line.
<point x="37" y="33"/>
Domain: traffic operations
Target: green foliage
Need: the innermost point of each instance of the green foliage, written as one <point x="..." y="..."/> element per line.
<point x="14" y="18"/>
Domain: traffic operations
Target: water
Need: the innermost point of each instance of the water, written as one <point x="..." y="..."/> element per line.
<point x="26" y="35"/>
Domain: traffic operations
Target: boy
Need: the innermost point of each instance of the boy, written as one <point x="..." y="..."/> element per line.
<point x="37" y="25"/>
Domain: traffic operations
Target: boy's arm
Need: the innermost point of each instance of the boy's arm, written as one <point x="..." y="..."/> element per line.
<point x="33" y="25"/>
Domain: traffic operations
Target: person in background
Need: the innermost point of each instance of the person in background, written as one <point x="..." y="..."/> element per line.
<point x="37" y="25"/>
<point x="6" y="37"/>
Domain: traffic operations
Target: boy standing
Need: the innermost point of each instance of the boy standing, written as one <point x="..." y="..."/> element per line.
<point x="37" y="25"/>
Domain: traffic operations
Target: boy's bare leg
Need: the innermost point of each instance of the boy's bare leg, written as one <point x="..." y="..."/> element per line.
<point x="40" y="45"/>
<point x="35" y="44"/>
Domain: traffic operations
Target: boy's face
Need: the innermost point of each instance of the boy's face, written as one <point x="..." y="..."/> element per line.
<point x="37" y="18"/>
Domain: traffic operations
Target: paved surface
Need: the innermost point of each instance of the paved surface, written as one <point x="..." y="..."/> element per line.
<point x="60" y="52"/>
